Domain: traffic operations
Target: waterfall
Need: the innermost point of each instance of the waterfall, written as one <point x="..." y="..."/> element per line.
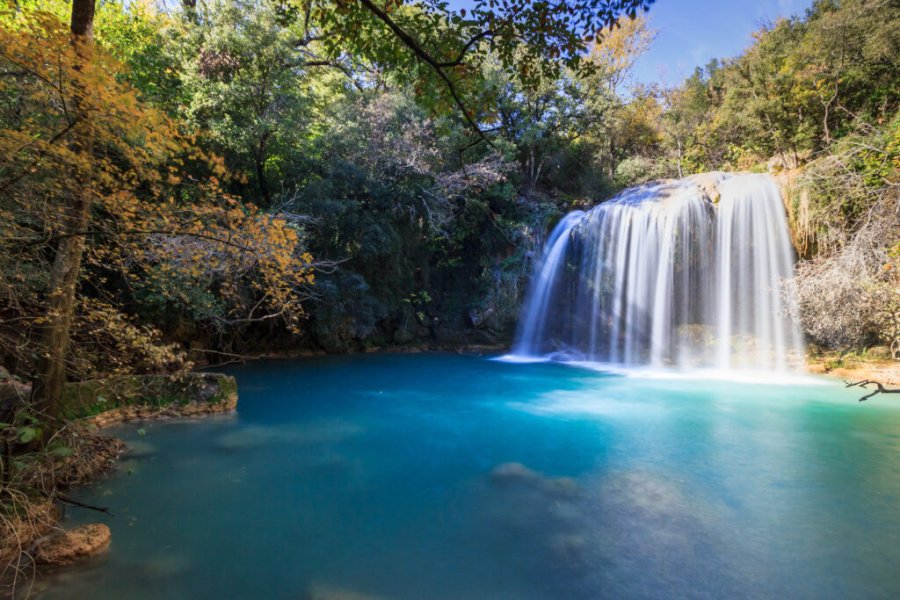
<point x="662" y="275"/>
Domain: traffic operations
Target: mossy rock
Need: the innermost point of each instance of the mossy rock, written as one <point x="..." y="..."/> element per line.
<point x="89" y="398"/>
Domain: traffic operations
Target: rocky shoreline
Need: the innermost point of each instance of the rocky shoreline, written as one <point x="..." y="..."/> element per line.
<point x="884" y="372"/>
<point x="32" y="535"/>
<point x="213" y="398"/>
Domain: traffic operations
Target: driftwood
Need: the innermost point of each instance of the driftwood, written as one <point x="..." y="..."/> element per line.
<point x="879" y="388"/>
<point x="69" y="501"/>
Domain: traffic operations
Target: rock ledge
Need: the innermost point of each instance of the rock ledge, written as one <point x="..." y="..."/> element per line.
<point x="68" y="547"/>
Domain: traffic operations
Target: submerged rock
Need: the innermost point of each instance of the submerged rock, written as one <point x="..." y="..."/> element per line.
<point x="524" y="500"/>
<point x="71" y="546"/>
<point x="249" y="437"/>
<point x="330" y="431"/>
<point x="327" y="592"/>
<point x="139" y="449"/>
<point x="569" y="546"/>
<point x="165" y="565"/>
<point x="517" y="473"/>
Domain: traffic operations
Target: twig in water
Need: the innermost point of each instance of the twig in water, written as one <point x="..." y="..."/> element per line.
<point x="66" y="500"/>
<point x="880" y="389"/>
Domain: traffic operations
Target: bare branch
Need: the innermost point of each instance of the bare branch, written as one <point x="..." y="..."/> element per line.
<point x="880" y="389"/>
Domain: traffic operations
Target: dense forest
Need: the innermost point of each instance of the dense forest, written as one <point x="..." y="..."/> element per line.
<point x="257" y="176"/>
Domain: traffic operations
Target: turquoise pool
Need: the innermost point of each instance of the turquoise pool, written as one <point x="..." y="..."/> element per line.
<point x="431" y="477"/>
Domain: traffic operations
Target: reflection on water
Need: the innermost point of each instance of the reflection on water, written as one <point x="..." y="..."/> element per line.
<point x="446" y="477"/>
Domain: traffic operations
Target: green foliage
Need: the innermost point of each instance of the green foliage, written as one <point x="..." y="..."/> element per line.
<point x="244" y="84"/>
<point x="353" y="123"/>
<point x="845" y="220"/>
<point x="434" y="47"/>
<point x="24" y="429"/>
<point x="638" y="169"/>
<point x="134" y="33"/>
<point x="804" y="83"/>
<point x="92" y="397"/>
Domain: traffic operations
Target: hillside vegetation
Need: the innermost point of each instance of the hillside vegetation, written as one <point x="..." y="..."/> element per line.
<point x="249" y="176"/>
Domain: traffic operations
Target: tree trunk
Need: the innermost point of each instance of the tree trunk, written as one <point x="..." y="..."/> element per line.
<point x="51" y="375"/>
<point x="260" y="164"/>
<point x="83" y="21"/>
<point x="189" y="8"/>
<point x="54" y="343"/>
<point x="680" y="171"/>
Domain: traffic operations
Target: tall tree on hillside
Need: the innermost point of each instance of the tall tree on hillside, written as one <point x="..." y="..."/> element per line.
<point x="54" y="344"/>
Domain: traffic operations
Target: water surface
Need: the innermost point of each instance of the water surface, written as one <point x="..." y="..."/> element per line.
<point x="446" y="477"/>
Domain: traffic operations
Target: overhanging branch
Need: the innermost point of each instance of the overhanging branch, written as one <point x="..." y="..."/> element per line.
<point x="462" y="53"/>
<point x="425" y="56"/>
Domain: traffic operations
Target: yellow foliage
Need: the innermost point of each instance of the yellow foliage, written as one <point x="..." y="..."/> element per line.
<point x="77" y="130"/>
<point x="618" y="47"/>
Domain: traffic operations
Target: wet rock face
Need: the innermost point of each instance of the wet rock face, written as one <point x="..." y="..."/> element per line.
<point x="708" y="184"/>
<point x="68" y="547"/>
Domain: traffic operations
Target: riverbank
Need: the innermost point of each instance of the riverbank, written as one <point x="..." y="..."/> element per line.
<point x="855" y="368"/>
<point x="33" y="492"/>
<point x="447" y="347"/>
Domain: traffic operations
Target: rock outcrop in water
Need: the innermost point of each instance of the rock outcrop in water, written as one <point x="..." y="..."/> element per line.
<point x="686" y="273"/>
<point x="68" y="547"/>
<point x="154" y="396"/>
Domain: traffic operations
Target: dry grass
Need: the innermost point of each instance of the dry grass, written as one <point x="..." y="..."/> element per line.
<point x="31" y="493"/>
<point x="848" y="219"/>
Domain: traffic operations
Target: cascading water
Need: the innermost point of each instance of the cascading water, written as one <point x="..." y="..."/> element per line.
<point x="661" y="275"/>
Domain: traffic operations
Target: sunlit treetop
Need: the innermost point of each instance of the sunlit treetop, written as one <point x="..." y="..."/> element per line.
<point x="436" y="47"/>
<point x="70" y="129"/>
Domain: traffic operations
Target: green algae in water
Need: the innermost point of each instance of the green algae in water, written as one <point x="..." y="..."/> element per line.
<point x="446" y="477"/>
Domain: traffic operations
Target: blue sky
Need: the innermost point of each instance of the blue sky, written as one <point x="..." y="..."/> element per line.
<point x="692" y="32"/>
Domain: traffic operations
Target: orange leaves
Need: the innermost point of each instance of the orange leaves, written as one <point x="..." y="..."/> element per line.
<point x="223" y="245"/>
<point x="76" y="123"/>
<point x="76" y="128"/>
<point x="617" y="47"/>
<point x="125" y="345"/>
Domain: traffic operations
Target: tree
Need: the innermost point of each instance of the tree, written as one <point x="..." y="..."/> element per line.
<point x="567" y="129"/>
<point x="93" y="179"/>
<point x="89" y="166"/>
<point x="246" y="84"/>
<point x="54" y="339"/>
<point x="438" y="49"/>
<point x="803" y="84"/>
